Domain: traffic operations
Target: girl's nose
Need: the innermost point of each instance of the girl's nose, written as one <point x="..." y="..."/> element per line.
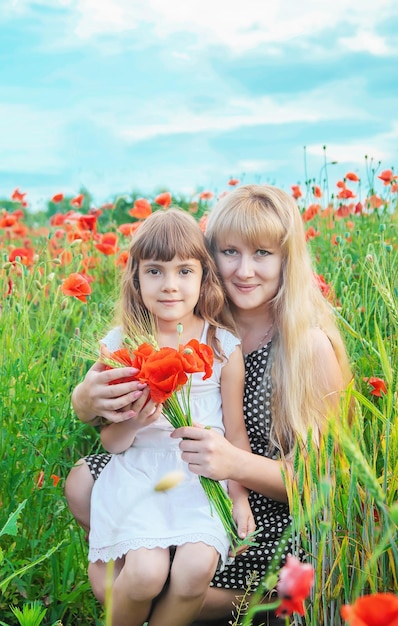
<point x="169" y="283"/>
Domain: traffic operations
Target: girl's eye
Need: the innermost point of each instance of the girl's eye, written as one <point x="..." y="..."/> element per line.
<point x="229" y="251"/>
<point x="153" y="271"/>
<point x="262" y="252"/>
<point x="185" y="271"/>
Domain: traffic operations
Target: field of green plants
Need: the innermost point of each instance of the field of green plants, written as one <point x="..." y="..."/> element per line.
<point x="59" y="274"/>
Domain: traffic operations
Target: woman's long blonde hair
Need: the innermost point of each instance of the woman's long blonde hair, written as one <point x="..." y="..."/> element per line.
<point x="162" y="236"/>
<point x="252" y="214"/>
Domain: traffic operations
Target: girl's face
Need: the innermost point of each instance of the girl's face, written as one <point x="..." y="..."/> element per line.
<point x="251" y="274"/>
<point x="170" y="289"/>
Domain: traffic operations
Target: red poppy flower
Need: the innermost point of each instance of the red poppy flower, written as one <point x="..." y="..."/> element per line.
<point x="352" y="176"/>
<point x="206" y="195"/>
<point x="322" y="284"/>
<point x="344" y="210"/>
<point x="58" y="197"/>
<point x="8" y="219"/>
<point x="77" y="201"/>
<point x="378" y="384"/>
<point x="233" y="182"/>
<point x="341" y="184"/>
<point x="55" y="479"/>
<point x="296" y="192"/>
<point x="18" y="196"/>
<point x="378" y="609"/>
<point x="164" y="199"/>
<point x="387" y="176"/>
<point x="317" y="191"/>
<point x="142" y="353"/>
<point x="164" y="373"/>
<point x="128" y="229"/>
<point x="76" y="285"/>
<point x="119" y="358"/>
<point x="346" y="193"/>
<point x="203" y="223"/>
<point x="311" y="233"/>
<point x="88" y="222"/>
<point x="197" y="357"/>
<point x="374" y="202"/>
<point x="311" y="211"/>
<point x="25" y="255"/>
<point x="108" y="244"/>
<point x="141" y="209"/>
<point x="122" y="259"/>
<point x="294" y="586"/>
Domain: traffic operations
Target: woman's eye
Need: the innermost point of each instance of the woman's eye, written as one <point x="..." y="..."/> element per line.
<point x="262" y="252"/>
<point x="229" y="251"/>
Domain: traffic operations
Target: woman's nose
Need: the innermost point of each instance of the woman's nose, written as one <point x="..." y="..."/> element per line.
<point x="245" y="267"/>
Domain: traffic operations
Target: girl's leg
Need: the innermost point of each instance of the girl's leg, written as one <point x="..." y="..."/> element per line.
<point x="193" y="568"/>
<point x="103" y="575"/>
<point x="78" y="486"/>
<point x="140" y="580"/>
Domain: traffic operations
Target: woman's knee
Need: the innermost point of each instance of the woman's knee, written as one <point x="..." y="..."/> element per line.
<point x="79" y="482"/>
<point x="78" y="486"/>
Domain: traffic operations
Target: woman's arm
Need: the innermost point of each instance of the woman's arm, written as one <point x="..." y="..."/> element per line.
<point x="232" y="386"/>
<point x="210" y="454"/>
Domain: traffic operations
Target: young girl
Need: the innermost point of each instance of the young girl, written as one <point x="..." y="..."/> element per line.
<point x="171" y="275"/>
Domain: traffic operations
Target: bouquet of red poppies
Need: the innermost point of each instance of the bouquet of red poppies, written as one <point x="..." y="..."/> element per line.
<point x="167" y="371"/>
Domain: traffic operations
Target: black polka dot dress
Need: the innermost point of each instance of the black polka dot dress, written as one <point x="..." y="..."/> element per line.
<point x="271" y="516"/>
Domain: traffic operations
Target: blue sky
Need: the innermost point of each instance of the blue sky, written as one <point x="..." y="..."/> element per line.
<point x="123" y="95"/>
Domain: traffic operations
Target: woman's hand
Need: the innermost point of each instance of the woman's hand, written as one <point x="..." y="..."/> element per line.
<point x="244" y="519"/>
<point x="95" y="396"/>
<point x="207" y="452"/>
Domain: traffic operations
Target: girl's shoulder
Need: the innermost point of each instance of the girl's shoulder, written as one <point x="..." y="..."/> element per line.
<point x="228" y="341"/>
<point x="113" y="339"/>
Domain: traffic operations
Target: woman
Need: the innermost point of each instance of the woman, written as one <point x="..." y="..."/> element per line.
<point x="296" y="368"/>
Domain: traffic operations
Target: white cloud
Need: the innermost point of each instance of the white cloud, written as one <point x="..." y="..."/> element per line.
<point x="381" y="147"/>
<point x="323" y="104"/>
<point x="238" y="26"/>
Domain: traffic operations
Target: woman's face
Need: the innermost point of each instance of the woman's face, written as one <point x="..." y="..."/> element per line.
<point x="251" y="274"/>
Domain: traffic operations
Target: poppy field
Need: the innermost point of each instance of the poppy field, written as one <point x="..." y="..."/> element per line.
<point x="59" y="277"/>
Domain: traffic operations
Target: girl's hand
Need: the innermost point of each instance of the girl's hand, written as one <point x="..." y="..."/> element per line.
<point x="207" y="452"/>
<point x="96" y="397"/>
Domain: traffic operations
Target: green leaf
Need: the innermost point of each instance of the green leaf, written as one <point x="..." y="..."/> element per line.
<point x="10" y="527"/>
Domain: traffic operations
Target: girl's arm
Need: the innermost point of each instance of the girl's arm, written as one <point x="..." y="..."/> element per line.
<point x="117" y="437"/>
<point x="94" y="397"/>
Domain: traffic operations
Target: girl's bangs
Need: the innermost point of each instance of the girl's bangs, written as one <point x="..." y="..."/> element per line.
<point x="165" y="241"/>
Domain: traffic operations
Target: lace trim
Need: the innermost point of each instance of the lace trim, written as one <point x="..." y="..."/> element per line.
<point x="109" y="553"/>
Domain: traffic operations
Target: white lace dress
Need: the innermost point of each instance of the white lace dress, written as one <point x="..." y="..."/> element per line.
<point x="126" y="512"/>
